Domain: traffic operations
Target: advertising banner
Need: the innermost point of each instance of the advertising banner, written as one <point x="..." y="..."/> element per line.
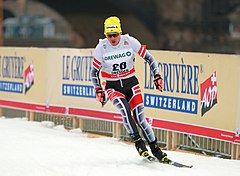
<point x="198" y="88"/>
<point x="70" y="90"/>
<point x="23" y="78"/>
<point x="69" y="83"/>
<point x="201" y="93"/>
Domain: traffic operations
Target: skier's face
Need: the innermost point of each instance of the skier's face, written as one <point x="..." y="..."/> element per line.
<point x="113" y="38"/>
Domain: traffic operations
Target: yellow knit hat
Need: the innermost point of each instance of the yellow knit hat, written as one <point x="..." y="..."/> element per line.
<point x="112" y="25"/>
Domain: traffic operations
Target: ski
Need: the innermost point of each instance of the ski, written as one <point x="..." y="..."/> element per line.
<point x="177" y="164"/>
<point x="150" y="158"/>
<point x="170" y="162"/>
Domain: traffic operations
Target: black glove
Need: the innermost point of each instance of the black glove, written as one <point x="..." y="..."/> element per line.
<point x="158" y="81"/>
<point x="100" y="95"/>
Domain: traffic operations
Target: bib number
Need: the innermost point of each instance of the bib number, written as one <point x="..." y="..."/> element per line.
<point x="119" y="67"/>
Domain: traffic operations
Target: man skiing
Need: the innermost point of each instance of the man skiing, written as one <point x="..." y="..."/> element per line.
<point x="114" y="59"/>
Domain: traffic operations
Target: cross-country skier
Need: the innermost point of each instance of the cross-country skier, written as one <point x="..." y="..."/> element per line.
<point x="114" y="58"/>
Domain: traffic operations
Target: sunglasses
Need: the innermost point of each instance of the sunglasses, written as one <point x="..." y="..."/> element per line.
<point x="112" y="35"/>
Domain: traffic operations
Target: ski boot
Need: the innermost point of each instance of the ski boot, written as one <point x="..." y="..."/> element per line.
<point x="157" y="152"/>
<point x="140" y="146"/>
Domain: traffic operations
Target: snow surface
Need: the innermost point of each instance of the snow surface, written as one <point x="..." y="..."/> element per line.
<point x="41" y="149"/>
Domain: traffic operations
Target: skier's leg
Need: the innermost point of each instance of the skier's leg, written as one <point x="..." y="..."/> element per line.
<point x="136" y="104"/>
<point x="122" y="105"/>
<point x="119" y="101"/>
<point x="130" y="125"/>
<point x="140" y="145"/>
<point x="157" y="152"/>
<point x="139" y="116"/>
<point x="149" y="134"/>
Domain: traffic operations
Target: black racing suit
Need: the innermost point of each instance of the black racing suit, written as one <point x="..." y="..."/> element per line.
<point x="130" y="100"/>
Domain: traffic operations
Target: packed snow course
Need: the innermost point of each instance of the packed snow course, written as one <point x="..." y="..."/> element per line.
<point x="42" y="149"/>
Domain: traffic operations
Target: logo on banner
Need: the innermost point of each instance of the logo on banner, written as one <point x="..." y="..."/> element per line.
<point x="208" y="93"/>
<point x="76" y="72"/>
<point x="28" y="77"/>
<point x="180" y="79"/>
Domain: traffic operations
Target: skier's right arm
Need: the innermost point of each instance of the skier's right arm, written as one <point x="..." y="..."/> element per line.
<point x="95" y="75"/>
<point x="95" y="70"/>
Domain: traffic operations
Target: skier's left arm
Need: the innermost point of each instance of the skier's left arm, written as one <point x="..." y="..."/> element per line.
<point x="146" y="55"/>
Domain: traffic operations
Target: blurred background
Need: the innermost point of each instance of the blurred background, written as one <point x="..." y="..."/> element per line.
<point x="180" y="25"/>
